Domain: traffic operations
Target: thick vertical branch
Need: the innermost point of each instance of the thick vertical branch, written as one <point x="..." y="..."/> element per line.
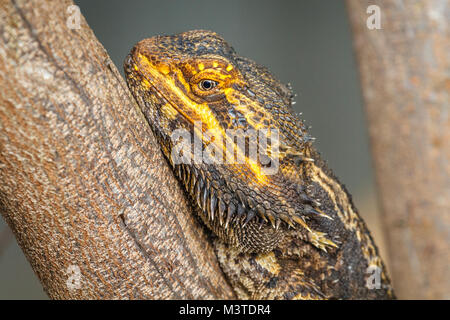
<point x="83" y="183"/>
<point x="405" y="80"/>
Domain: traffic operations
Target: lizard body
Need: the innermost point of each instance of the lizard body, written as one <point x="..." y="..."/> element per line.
<point x="289" y="233"/>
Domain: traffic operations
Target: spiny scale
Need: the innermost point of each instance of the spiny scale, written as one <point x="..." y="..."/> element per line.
<point x="206" y="198"/>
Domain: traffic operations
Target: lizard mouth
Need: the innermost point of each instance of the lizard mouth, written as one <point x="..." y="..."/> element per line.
<point x="132" y="67"/>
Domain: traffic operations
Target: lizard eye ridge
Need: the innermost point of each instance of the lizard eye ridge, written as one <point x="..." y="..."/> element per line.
<point x="207" y="84"/>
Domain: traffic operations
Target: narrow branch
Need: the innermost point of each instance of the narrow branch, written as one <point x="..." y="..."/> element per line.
<point x="405" y="81"/>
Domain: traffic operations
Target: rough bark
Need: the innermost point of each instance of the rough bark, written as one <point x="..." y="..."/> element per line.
<point x="404" y="70"/>
<point x="83" y="182"/>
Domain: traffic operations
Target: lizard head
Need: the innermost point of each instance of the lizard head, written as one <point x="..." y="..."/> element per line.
<point x="197" y="76"/>
<point x="195" y="81"/>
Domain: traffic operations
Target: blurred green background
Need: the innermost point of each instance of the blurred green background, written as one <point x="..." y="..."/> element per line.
<point x="306" y="43"/>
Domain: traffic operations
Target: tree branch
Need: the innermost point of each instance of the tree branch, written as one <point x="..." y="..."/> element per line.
<point x="405" y="82"/>
<point x="83" y="182"/>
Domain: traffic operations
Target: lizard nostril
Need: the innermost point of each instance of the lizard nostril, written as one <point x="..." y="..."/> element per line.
<point x="128" y="62"/>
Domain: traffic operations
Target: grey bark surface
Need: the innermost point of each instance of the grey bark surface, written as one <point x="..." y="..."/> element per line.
<point x="84" y="185"/>
<point x="405" y="78"/>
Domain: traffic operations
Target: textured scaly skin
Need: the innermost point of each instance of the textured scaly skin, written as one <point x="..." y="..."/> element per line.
<point x="294" y="234"/>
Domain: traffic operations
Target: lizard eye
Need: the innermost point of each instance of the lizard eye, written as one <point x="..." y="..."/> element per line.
<point x="207" y="84"/>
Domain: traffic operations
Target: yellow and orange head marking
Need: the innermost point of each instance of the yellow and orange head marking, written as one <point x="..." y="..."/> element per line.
<point x="179" y="83"/>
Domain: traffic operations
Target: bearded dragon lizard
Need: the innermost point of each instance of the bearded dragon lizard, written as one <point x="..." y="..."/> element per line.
<point x="291" y="232"/>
